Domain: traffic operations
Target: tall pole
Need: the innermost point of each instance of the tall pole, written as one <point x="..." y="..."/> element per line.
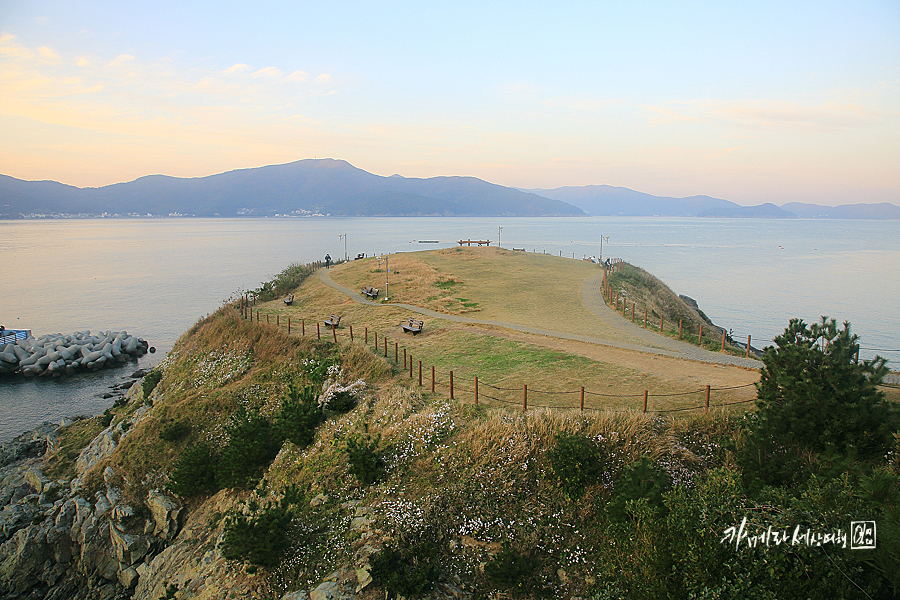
<point x="601" y="247"/>
<point x="387" y="274"/>
<point x="499" y="229"/>
<point x="344" y="235"/>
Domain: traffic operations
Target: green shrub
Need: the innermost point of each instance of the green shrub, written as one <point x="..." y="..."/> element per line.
<point x="107" y="417"/>
<point x="259" y="539"/>
<point x="639" y="481"/>
<point x="172" y="432"/>
<point x="149" y="383"/>
<point x="195" y="472"/>
<point x="252" y="445"/>
<point x="342" y="402"/>
<point x="512" y="569"/>
<point x="298" y="416"/>
<point x="365" y="463"/>
<point x="815" y="397"/>
<point x="576" y="461"/>
<point x="405" y="571"/>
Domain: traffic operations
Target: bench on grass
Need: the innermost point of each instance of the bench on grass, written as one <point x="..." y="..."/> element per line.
<point x="413" y="326"/>
<point x="333" y="322"/>
<point x="369" y="291"/>
<point x="289" y="299"/>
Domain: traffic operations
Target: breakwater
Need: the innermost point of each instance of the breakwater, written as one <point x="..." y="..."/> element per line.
<point x="55" y="354"/>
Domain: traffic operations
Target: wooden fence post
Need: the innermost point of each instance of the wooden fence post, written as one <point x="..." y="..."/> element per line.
<point x="723" y="340"/>
<point x="367" y="335"/>
<point x="303" y="326"/>
<point x="351" y="333"/>
<point x="524" y="397"/>
<point x="410" y="367"/>
<point x="289" y="324"/>
<point x="277" y="320"/>
<point x="267" y="319"/>
<point x="632" y="312"/>
<point x="700" y="336"/>
<point x="679" y="328"/>
<point x="420" y="373"/>
<point x="396" y="352"/>
<point x="334" y="333"/>
<point x="385" y="345"/>
<point x="451" y="385"/>
<point x="318" y="331"/>
<point x="748" y="346"/>
<point x="404" y="358"/>
<point x="661" y="323"/>
<point x="707" y="398"/>
<point x="645" y="316"/>
<point x="476" y="390"/>
<point x="432" y="379"/>
<point x="582" y="398"/>
<point x="376" y="341"/>
<point x="645" y="400"/>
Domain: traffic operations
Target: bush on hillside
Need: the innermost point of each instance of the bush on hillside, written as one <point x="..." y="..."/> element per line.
<point x="259" y="539"/>
<point x="407" y="571"/>
<point x="576" y="461"/>
<point x="148" y="384"/>
<point x="366" y="464"/>
<point x="298" y="416"/>
<point x="814" y="396"/>
<point x="513" y="570"/>
<point x="252" y="445"/>
<point x="195" y="472"/>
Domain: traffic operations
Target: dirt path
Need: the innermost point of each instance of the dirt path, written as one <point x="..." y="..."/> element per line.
<point x="647" y="341"/>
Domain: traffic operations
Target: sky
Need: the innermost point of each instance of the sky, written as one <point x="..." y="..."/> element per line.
<point x="748" y="101"/>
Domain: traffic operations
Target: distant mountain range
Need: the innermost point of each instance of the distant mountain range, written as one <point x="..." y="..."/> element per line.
<point x="606" y="200"/>
<point x="336" y="188"/>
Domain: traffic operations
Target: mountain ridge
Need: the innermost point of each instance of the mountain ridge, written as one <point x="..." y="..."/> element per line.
<point x="334" y="187"/>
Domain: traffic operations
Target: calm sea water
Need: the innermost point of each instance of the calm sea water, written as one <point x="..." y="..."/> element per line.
<point x="155" y="278"/>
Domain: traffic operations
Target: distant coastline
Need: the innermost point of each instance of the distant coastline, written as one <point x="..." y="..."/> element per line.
<point x="335" y="188"/>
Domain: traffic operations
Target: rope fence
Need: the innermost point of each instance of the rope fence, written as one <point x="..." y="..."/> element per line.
<point x="655" y="322"/>
<point x="429" y="377"/>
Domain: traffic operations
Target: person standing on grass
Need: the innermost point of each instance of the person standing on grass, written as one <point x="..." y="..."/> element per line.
<point x="327" y="261"/>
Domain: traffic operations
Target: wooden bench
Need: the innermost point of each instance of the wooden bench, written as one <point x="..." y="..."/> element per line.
<point x="289" y="299"/>
<point x="333" y="322"/>
<point x="478" y="242"/>
<point x="413" y="326"/>
<point x="360" y="255"/>
<point x="370" y="292"/>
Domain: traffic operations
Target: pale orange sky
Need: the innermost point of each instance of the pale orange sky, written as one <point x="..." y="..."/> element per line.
<point x="775" y="105"/>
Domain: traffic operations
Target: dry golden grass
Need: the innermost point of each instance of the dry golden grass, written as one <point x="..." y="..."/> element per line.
<point x="614" y="379"/>
<point x="533" y="290"/>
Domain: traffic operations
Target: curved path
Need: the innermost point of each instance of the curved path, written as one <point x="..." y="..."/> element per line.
<point x="592" y="300"/>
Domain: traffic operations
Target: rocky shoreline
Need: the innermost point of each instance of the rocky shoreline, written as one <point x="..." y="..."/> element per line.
<point x="72" y="539"/>
<point x="60" y="540"/>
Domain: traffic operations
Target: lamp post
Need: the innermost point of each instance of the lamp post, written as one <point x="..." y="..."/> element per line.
<point x="499" y="229"/>
<point x="601" y="246"/>
<point x="387" y="275"/>
<point x="344" y="235"/>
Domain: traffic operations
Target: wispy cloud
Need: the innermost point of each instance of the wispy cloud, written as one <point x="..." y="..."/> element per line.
<point x="48" y="54"/>
<point x="154" y="104"/>
<point x="121" y="60"/>
<point x="236" y="68"/>
<point x="268" y="72"/>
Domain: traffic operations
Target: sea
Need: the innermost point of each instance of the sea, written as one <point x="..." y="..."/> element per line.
<point x="155" y="277"/>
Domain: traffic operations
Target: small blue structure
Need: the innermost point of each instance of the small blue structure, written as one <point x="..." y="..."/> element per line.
<point x="9" y="336"/>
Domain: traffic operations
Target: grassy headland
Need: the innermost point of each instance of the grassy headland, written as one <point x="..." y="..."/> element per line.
<point x="410" y="493"/>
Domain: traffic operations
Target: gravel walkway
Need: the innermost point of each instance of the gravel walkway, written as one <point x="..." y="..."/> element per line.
<point x="591" y="297"/>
